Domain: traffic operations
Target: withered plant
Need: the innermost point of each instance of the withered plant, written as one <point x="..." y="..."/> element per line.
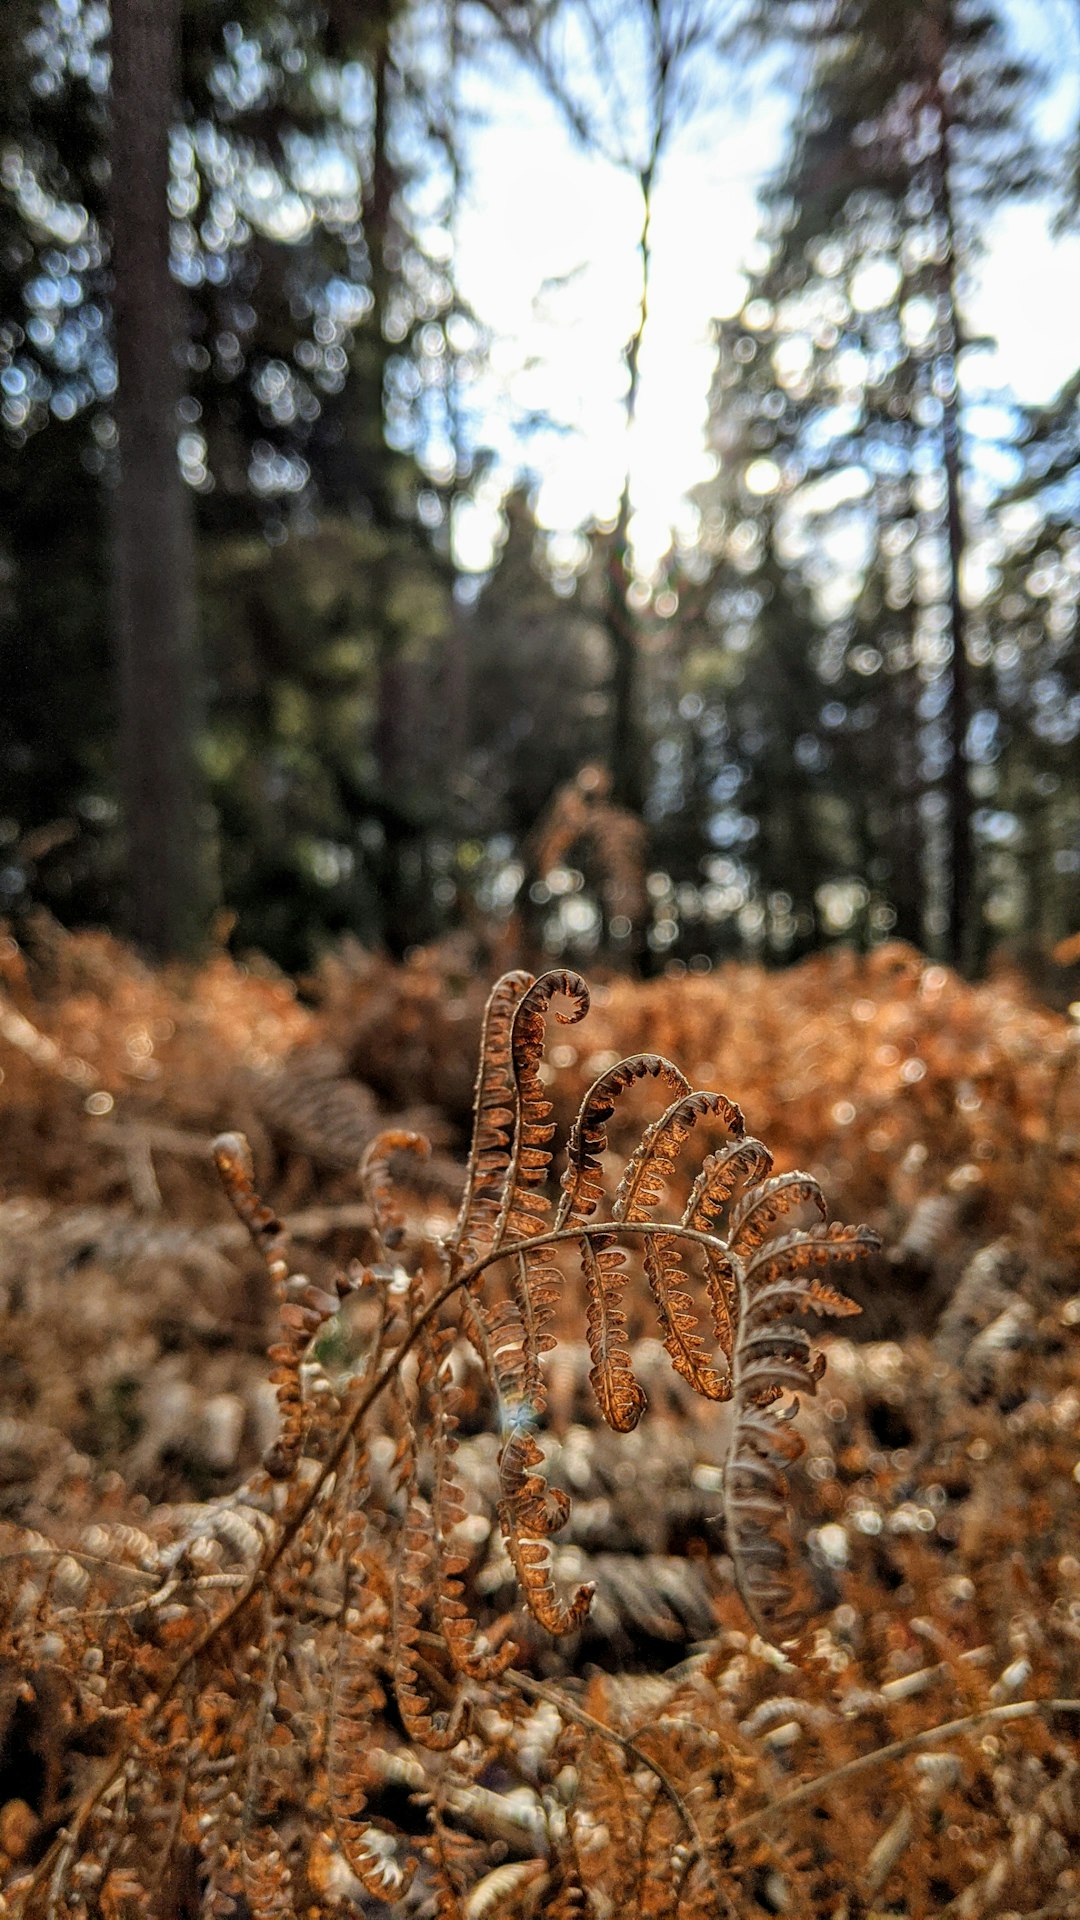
<point x="285" y="1701"/>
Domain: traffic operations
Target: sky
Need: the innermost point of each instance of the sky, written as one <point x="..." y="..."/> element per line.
<point x="546" y="251"/>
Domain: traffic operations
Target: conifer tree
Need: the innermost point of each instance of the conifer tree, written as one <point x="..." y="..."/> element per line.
<point x="911" y="130"/>
<point x="307" y="396"/>
<point x="1034" y="644"/>
<point x="152" y="536"/>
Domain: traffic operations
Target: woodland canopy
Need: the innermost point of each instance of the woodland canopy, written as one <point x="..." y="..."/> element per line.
<point x="245" y="414"/>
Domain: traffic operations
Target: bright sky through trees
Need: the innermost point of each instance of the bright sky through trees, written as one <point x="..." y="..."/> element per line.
<point x="546" y="255"/>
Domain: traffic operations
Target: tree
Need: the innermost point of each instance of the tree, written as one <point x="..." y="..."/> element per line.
<point x="54" y="651"/>
<point x="152" y="547"/>
<point x="911" y="129"/>
<point x="790" y="842"/>
<point x="1033" y="640"/>
<point x="313" y="418"/>
<point x="629" y="81"/>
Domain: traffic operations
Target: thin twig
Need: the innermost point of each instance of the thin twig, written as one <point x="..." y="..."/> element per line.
<point x="811" y="1790"/>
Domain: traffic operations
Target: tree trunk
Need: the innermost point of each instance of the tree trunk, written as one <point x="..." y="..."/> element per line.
<point x="152" y="543"/>
<point x="960" y="930"/>
<point x="393" y="718"/>
<point x="626" y="748"/>
<point x="623" y="636"/>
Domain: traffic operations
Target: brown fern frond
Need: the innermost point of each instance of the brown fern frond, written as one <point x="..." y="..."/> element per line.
<point x="743" y="1162"/>
<point x="301" y="1308"/>
<point x="587" y="1143"/>
<point x="232" y="1157"/>
<point x="223" y="1713"/>
<point x="494" y="1112"/>
<point x="423" y="1721"/>
<point x="355" y="1699"/>
<point x="517" y="1331"/>
<point x="619" y="1395"/>
<point x="678" y="1319"/>
<point x="781" y="1274"/>
<point x="524" y="1206"/>
<point x="378" y="1185"/>
<point x="761" y="1206"/>
<point x="529" y="1513"/>
<point x="264" y="1874"/>
<point x="414" y="1564"/>
<point x="469" y="1653"/>
<point x="650" y="1166"/>
<point x="606" y="1832"/>
<point x="773" y="1356"/>
<point x="696" y="1761"/>
<point x="640" y="1192"/>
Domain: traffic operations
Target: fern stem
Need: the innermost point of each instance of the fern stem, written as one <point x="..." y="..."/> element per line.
<point x="537" y="1690"/>
<point x="811" y="1790"/>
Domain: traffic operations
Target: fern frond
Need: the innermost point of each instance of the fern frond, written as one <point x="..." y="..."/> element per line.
<point x="264" y="1873"/>
<point x="232" y="1157"/>
<point x="529" y="1513"/>
<point x="493" y="1121"/>
<point x="761" y="1206"/>
<point x="517" y="1331"/>
<point x="781" y="1275"/>
<point x="678" y="1320"/>
<point x="469" y="1654"/>
<point x="524" y="1206"/>
<point x="743" y="1162"/>
<point x="355" y="1699"/>
<point x="773" y="1356"/>
<point x="301" y="1308"/>
<point x="619" y="1395"/>
<point x="587" y="1143"/>
<point x="378" y="1185"/>
<point x="651" y="1164"/>
<point x="423" y="1722"/>
<point x="413" y="1567"/>
<point x="640" y="1192"/>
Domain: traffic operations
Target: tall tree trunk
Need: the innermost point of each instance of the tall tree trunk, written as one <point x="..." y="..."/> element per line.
<point x="903" y="831"/>
<point x="392" y="729"/>
<point x="152" y="542"/>
<point x="960" y="930"/>
<point x="626" y="743"/>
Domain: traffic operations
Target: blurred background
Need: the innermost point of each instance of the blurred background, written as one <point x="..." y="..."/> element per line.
<point x="601" y="474"/>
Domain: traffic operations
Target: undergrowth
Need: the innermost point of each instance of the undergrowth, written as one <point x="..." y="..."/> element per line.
<point x="298" y="1698"/>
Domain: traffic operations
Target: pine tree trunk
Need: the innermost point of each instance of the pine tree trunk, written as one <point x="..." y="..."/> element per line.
<point x="622" y="629"/>
<point x="392" y="729"/>
<point x="628" y="789"/>
<point x="904" y="828"/>
<point x="961" y="840"/>
<point x="152" y="542"/>
<point x="960" y="931"/>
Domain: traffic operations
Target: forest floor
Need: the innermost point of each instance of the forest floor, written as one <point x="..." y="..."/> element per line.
<point x="938" y="1504"/>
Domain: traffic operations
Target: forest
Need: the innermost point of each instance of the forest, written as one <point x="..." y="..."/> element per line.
<point x="842" y="706"/>
<point x="539" y="959"/>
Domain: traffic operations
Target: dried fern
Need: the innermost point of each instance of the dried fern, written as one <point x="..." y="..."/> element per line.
<point x="280" y="1627"/>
